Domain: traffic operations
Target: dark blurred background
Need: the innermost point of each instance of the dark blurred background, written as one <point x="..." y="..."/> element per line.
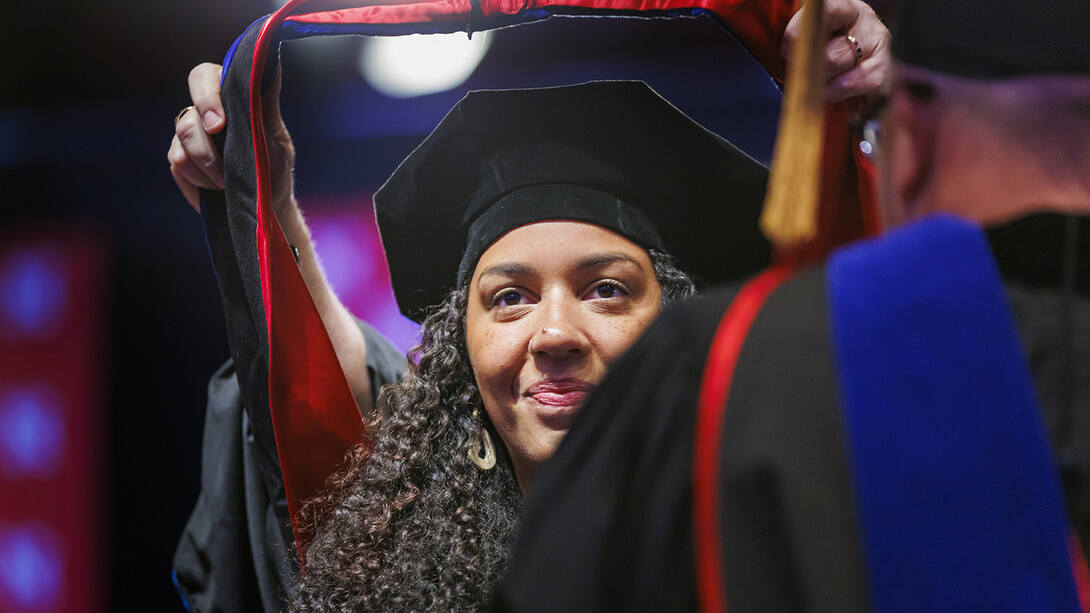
<point x="88" y="93"/>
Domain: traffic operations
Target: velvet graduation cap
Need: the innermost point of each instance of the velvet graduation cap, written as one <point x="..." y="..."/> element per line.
<point x="994" y="39"/>
<point x="291" y="382"/>
<point x="613" y="154"/>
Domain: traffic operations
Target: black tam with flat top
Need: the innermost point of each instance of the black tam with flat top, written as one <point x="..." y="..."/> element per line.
<point x="611" y="153"/>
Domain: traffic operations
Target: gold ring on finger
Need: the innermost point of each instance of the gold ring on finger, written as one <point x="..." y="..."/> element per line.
<point x="854" y="44"/>
<point x="182" y="112"/>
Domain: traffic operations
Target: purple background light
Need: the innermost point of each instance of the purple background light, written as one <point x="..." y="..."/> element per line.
<point x="31" y="568"/>
<point x="32" y="432"/>
<point x="348" y="243"/>
<point x="33" y="294"/>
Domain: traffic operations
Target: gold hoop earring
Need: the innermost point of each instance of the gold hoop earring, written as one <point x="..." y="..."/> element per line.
<point x="483" y="451"/>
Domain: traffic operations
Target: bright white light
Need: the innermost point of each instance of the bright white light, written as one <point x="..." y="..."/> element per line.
<point x="418" y="64"/>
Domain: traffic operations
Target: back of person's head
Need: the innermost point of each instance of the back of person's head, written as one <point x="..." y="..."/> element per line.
<point x="990" y="103"/>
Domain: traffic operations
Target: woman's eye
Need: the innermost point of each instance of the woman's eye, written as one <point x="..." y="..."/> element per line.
<point x="607" y="290"/>
<point x="508" y="297"/>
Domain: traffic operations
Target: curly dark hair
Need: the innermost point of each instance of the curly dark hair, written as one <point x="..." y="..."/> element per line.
<point x="412" y="524"/>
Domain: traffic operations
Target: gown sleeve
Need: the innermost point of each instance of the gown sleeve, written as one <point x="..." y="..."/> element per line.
<point x="235" y="553"/>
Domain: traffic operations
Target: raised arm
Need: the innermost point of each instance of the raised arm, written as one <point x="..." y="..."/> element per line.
<point x="196" y="163"/>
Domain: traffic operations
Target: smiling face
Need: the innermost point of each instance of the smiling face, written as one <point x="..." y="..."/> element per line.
<point x="551" y="304"/>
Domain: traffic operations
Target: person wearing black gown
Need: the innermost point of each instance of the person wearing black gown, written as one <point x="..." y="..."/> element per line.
<point x="986" y="121"/>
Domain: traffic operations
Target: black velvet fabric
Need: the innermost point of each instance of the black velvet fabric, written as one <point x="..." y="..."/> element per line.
<point x="237" y="552"/>
<point x="230" y="221"/>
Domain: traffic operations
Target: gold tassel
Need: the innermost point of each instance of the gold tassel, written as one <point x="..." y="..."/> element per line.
<point x="789" y="217"/>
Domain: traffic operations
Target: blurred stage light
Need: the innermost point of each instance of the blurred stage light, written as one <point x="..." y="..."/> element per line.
<point x="348" y="244"/>
<point x="53" y="306"/>
<point x="31" y="568"/>
<point x="33" y="293"/>
<point x="419" y="64"/>
<point x="344" y="255"/>
<point x="32" y="432"/>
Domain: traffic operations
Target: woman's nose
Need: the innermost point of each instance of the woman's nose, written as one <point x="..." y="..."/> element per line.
<point x="559" y="336"/>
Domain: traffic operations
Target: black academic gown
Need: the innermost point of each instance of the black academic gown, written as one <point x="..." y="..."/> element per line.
<point x="232" y="555"/>
<point x="609" y="524"/>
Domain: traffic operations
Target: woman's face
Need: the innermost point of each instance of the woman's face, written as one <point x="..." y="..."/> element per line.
<point x="551" y="304"/>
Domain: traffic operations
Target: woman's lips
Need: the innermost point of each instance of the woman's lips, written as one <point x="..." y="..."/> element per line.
<point x="566" y="393"/>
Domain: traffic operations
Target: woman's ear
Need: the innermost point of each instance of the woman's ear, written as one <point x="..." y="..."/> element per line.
<point x="911" y="139"/>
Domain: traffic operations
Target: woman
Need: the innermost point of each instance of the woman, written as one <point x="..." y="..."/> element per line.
<point x="558" y="271"/>
<point x="551" y="231"/>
